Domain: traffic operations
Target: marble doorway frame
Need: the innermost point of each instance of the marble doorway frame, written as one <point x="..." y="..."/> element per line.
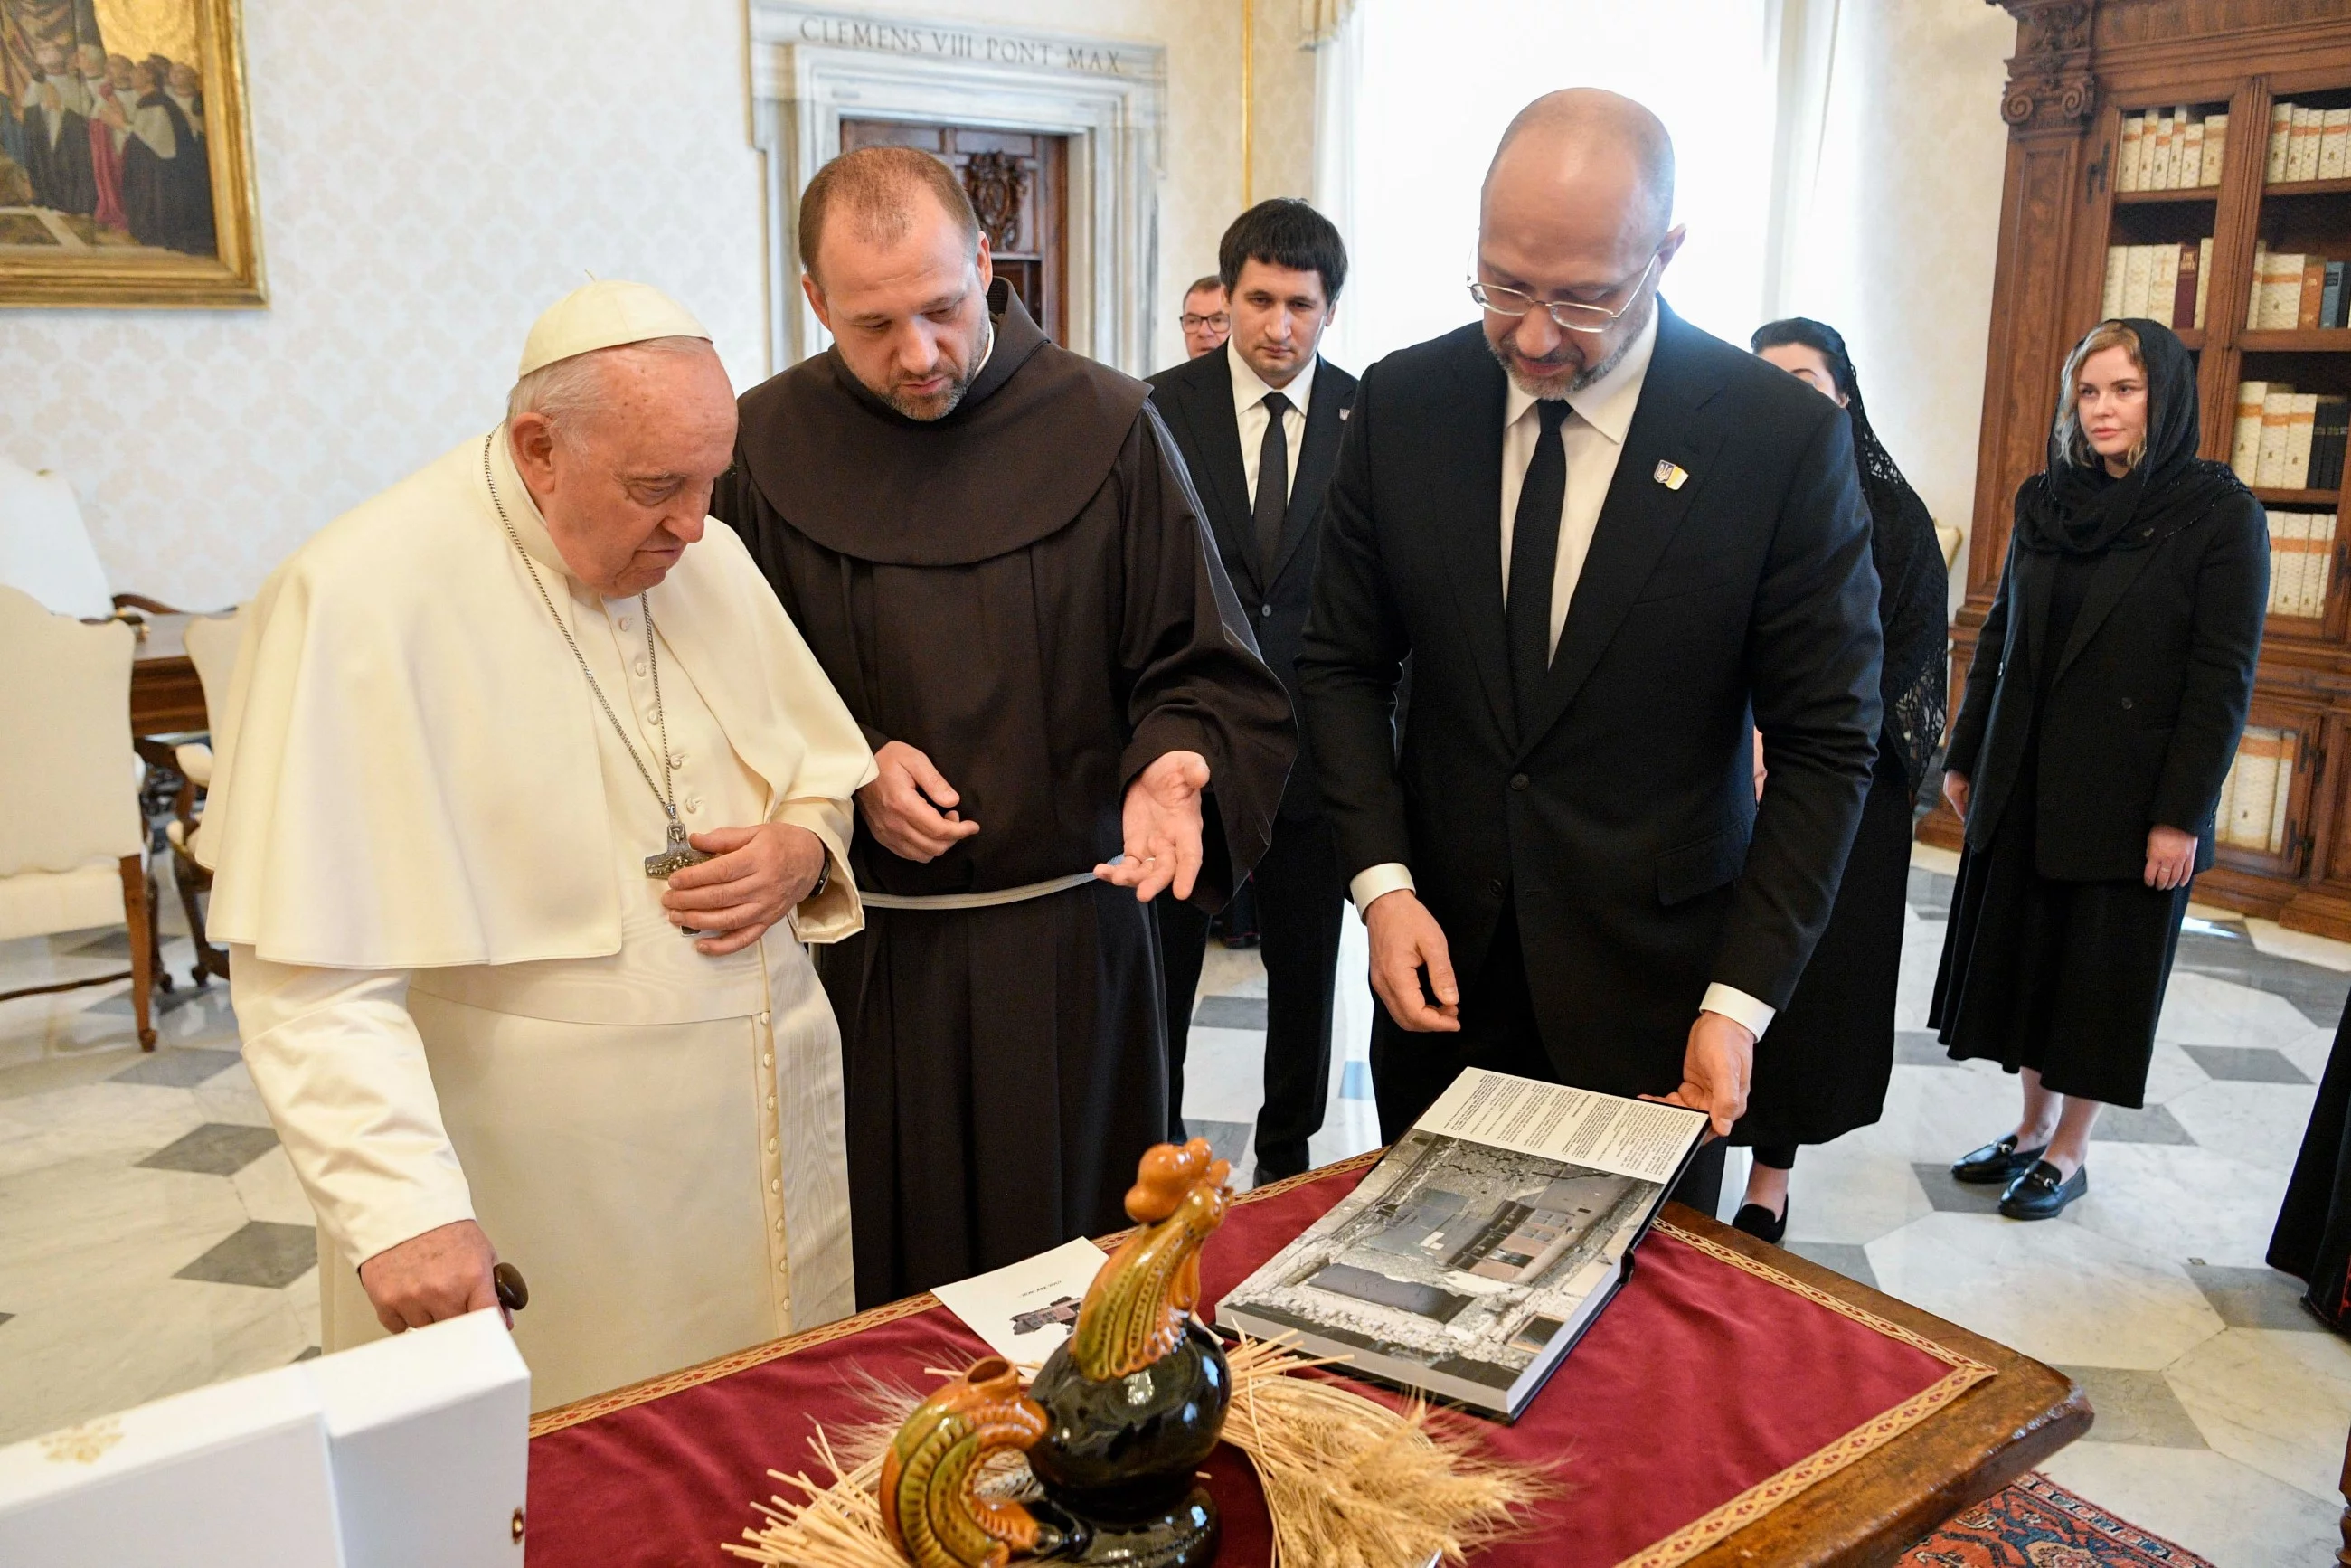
<point x="812" y="64"/>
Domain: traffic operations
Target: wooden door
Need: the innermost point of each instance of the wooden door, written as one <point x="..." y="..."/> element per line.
<point x="1018" y="184"/>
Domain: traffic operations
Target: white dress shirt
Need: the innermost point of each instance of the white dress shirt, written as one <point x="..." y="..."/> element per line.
<point x="1249" y="393"/>
<point x="1593" y="435"/>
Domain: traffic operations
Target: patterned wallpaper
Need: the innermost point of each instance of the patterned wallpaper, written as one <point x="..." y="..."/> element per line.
<point x="1899" y="252"/>
<point x="432" y="174"/>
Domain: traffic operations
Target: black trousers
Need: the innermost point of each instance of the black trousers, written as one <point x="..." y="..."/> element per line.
<point x="1497" y="1033"/>
<point x="1301" y="899"/>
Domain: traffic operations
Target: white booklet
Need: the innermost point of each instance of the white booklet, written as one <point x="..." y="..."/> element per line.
<point x="1025" y="1310"/>
<point x="1474" y="1254"/>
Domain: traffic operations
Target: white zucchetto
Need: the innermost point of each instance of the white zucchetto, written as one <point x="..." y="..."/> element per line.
<point x="604" y="314"/>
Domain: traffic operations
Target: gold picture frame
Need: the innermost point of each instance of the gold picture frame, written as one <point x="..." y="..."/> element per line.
<point x="92" y="259"/>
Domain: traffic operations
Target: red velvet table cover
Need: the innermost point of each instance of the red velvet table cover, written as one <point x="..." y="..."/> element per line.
<point x="1710" y="1390"/>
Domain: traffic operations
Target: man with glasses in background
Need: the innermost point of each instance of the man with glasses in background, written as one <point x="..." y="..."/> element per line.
<point x="1603" y="538"/>
<point x="1206" y="321"/>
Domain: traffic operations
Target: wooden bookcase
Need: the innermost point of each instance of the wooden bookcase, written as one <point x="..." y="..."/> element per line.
<point x="2081" y="66"/>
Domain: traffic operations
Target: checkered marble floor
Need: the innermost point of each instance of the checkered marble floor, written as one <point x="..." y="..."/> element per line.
<point x="153" y="1237"/>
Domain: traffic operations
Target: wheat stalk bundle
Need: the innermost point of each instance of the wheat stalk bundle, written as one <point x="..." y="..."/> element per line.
<point x="1352" y="1483"/>
<point x="1349" y="1482"/>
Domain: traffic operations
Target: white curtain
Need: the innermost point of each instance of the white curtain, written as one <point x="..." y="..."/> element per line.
<point x="1318" y="21"/>
<point x="1338" y="72"/>
<point x="1802" y="45"/>
<point x="1410" y="103"/>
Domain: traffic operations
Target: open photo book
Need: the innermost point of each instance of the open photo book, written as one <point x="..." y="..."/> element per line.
<point x="1474" y="1255"/>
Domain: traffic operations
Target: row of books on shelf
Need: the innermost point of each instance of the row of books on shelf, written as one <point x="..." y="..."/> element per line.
<point x="2292" y="290"/>
<point x="2171" y="150"/>
<point x="2165" y="283"/>
<point x="2286" y="440"/>
<point x="2302" y="562"/>
<point x="2308" y="143"/>
<point x="2253" y="798"/>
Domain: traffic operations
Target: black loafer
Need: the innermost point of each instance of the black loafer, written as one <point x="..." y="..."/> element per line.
<point x="2042" y="1193"/>
<point x="2000" y="1162"/>
<point x="1761" y="1223"/>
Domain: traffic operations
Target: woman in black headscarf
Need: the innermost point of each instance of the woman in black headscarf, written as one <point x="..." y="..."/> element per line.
<point x="1823" y="1068"/>
<point x="2103" y="710"/>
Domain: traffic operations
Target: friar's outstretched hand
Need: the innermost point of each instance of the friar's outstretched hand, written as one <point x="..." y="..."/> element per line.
<point x="1161" y="825"/>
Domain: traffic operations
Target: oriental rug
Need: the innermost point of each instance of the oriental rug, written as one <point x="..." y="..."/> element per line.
<point x="2035" y="1523"/>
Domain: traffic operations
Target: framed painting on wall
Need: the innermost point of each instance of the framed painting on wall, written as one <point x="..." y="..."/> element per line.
<point x="126" y="158"/>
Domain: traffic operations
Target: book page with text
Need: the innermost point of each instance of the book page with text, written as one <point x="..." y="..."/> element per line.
<point x="1637" y="1138"/>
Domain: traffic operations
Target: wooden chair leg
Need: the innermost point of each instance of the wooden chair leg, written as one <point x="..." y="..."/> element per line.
<point x="139" y="915"/>
<point x="210" y="960"/>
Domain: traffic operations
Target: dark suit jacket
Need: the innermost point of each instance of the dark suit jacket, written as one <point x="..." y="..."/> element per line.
<point x="1622" y="823"/>
<point x="2149" y="697"/>
<point x="1195" y="399"/>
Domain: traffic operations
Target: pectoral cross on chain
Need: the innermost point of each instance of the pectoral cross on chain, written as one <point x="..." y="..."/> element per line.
<point x="675" y="856"/>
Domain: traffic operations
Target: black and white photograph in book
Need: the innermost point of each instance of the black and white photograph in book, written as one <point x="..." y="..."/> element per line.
<point x="1468" y="1260"/>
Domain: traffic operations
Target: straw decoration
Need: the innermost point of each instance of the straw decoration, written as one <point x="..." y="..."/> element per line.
<point x="1349" y="1482"/>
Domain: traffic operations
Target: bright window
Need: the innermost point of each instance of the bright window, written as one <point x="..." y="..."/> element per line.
<point x="1439" y="82"/>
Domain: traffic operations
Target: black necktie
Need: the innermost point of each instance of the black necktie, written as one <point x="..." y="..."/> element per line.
<point x="1273" y="487"/>
<point x="1534" y="557"/>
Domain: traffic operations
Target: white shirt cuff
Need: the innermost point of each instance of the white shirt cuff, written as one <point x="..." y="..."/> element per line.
<point x="1738" y="1008"/>
<point x="1373" y="880"/>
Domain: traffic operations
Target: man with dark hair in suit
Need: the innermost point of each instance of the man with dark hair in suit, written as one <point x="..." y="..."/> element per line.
<point x="1258" y="421"/>
<point x="1603" y="538"/>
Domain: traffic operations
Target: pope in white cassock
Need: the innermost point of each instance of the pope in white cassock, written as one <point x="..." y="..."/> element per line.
<point x="528" y="796"/>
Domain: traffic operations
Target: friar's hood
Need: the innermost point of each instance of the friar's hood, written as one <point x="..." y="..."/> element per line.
<point x="1029" y="444"/>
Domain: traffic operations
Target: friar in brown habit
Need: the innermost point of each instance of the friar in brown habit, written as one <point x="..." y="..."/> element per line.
<point x="994" y="549"/>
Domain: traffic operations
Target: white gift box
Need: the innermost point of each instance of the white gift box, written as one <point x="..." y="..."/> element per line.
<point x="408" y="1451"/>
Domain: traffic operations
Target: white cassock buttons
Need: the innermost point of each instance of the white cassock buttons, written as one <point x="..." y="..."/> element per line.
<point x="679" y="760"/>
<point x="639" y="667"/>
<point x="694" y="802"/>
<point x="768" y="1059"/>
<point x="626" y="622"/>
<point x="771" y="1101"/>
<point x="775" y="1187"/>
<point x="771" y="1145"/>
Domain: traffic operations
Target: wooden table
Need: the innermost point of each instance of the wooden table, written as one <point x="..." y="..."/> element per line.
<point x="166" y="698"/>
<point x="663" y="1451"/>
<point x="1873" y="1510"/>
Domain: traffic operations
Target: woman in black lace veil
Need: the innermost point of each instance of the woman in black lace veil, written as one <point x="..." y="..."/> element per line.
<point x="1823" y="1067"/>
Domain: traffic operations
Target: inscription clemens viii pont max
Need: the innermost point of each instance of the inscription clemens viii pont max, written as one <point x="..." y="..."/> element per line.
<point x="954" y="44"/>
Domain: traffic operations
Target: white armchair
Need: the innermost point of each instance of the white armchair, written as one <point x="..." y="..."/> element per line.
<point x="211" y="642"/>
<point x="72" y="843"/>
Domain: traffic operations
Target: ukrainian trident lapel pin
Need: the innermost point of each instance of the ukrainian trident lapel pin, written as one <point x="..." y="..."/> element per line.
<point x="1672" y="475"/>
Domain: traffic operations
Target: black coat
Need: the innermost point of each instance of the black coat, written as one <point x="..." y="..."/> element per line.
<point x="2148" y="698"/>
<point x="1195" y="399"/>
<point x="1624" y="824"/>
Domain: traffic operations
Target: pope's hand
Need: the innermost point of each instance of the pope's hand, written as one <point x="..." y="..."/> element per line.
<point x="757" y="876"/>
<point x="1161" y="825"/>
<point x="444" y="1273"/>
<point x="1406" y="939"/>
<point x="908" y="807"/>
<point x="1716" y="1066"/>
